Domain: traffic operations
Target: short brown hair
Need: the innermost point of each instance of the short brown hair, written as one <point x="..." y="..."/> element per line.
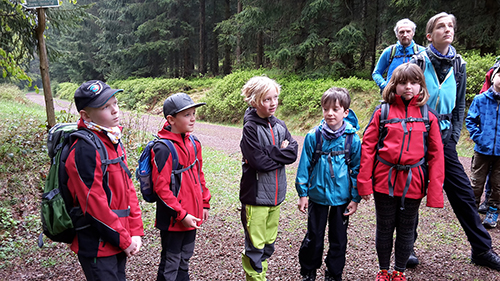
<point x="431" y="24"/>
<point x="257" y="87"/>
<point x="334" y="94"/>
<point x="402" y="74"/>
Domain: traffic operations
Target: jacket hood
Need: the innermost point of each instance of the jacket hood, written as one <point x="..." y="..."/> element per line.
<point x="251" y="115"/>
<point x="165" y="133"/>
<point x="352" y="124"/>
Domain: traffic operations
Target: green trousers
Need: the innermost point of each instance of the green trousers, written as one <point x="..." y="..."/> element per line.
<point x="261" y="228"/>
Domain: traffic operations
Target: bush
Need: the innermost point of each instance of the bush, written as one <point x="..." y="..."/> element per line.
<point x="11" y="92"/>
<point x="477" y="66"/>
<point x="65" y="90"/>
<point x="224" y="100"/>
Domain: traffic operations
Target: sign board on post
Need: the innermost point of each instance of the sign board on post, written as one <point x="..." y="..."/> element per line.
<point x="33" y="4"/>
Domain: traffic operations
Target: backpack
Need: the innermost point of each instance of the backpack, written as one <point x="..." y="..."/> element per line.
<point x="144" y="170"/>
<point x="60" y="219"/>
<point x="487" y="79"/>
<point x="318" y="152"/>
<point x="393" y="53"/>
<point x="384" y="113"/>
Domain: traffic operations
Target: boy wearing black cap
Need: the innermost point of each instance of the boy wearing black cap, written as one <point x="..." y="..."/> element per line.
<point x="483" y="130"/>
<point x="111" y="213"/>
<point x="181" y="208"/>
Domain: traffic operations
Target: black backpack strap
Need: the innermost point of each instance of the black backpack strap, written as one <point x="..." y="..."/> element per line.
<point x="317" y="149"/>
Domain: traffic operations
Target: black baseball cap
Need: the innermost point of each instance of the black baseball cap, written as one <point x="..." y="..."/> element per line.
<point x="93" y="93"/>
<point x="177" y="103"/>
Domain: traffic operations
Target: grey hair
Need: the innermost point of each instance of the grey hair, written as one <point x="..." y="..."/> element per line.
<point x="404" y="22"/>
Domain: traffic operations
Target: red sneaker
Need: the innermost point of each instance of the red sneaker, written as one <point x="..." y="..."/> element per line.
<point x="383" y="275"/>
<point x="398" y="276"/>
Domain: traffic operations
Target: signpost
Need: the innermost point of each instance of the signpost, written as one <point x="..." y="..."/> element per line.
<point x="40" y="6"/>
<point x="33" y="4"/>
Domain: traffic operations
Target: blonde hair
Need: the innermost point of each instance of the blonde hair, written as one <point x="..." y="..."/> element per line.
<point x="402" y="74"/>
<point x="256" y="89"/>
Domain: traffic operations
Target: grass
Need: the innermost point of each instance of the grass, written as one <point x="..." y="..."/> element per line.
<point x="24" y="162"/>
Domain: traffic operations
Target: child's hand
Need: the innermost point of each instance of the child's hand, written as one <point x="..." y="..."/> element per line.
<point x="303" y="204"/>
<point x="131" y="248"/>
<point x="284" y="144"/>
<point x="205" y="215"/>
<point x="138" y="241"/>
<point x="351" y="208"/>
<point x="366" y="197"/>
<point x="191" y="221"/>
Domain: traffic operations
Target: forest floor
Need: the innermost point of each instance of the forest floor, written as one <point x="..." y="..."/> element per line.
<point x="442" y="246"/>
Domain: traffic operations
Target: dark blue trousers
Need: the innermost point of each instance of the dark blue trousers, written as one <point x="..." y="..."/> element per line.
<point x="311" y="250"/>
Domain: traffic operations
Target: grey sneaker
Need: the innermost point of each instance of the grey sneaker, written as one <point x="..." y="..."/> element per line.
<point x="483" y="208"/>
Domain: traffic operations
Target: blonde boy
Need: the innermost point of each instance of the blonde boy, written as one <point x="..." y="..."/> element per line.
<point x="267" y="146"/>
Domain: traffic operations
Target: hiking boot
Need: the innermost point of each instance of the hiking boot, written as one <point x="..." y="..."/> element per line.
<point x="490" y="221"/>
<point x="489" y="259"/>
<point x="412" y="260"/>
<point x="483" y="208"/>
<point x="329" y="277"/>
<point x="383" y="275"/>
<point x="309" y="276"/>
<point x="398" y="276"/>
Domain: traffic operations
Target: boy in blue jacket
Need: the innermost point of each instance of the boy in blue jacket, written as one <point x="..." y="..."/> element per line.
<point x="330" y="185"/>
<point x="482" y="123"/>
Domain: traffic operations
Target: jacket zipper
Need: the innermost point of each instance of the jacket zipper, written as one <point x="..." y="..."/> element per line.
<point x="276" y="171"/>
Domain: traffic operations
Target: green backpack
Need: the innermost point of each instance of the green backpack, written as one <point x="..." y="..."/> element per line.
<point x="60" y="219"/>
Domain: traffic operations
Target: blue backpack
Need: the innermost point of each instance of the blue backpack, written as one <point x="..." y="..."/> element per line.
<point x="144" y="170"/>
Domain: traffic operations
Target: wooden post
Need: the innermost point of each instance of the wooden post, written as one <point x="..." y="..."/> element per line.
<point x="44" y="69"/>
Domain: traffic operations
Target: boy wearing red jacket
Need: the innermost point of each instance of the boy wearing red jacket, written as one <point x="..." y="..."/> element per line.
<point x="111" y="213"/>
<point x="182" y="206"/>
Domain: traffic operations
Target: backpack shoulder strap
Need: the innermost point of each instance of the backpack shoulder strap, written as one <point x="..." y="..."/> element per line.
<point x="91" y="138"/>
<point x="317" y="149"/>
<point x="415" y="49"/>
<point x="173" y="152"/>
<point x="347" y="149"/>
<point x="425" y="116"/>
<point x="393" y="53"/>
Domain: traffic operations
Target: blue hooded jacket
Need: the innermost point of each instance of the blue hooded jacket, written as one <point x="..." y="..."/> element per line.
<point x="402" y="55"/>
<point x="320" y="186"/>
<point x="482" y="122"/>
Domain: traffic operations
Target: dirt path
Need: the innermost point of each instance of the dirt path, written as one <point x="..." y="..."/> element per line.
<point x="222" y="138"/>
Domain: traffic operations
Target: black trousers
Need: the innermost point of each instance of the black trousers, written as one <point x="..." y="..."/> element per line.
<point x="390" y="217"/>
<point x="311" y="250"/>
<point x="177" y="248"/>
<point x="105" y="268"/>
<point x="461" y="196"/>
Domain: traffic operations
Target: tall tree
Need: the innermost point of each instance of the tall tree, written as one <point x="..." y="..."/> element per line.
<point x="203" y="42"/>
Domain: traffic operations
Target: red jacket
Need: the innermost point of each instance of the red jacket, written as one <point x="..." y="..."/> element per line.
<point x="108" y="234"/>
<point x="373" y="175"/>
<point x="193" y="195"/>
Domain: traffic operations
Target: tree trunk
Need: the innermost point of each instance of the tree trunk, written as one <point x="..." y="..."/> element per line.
<point x="214" y="62"/>
<point x="260" y="49"/>
<point x="227" y="47"/>
<point x="203" y="43"/>
<point x="44" y="69"/>
<point x="238" y="37"/>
